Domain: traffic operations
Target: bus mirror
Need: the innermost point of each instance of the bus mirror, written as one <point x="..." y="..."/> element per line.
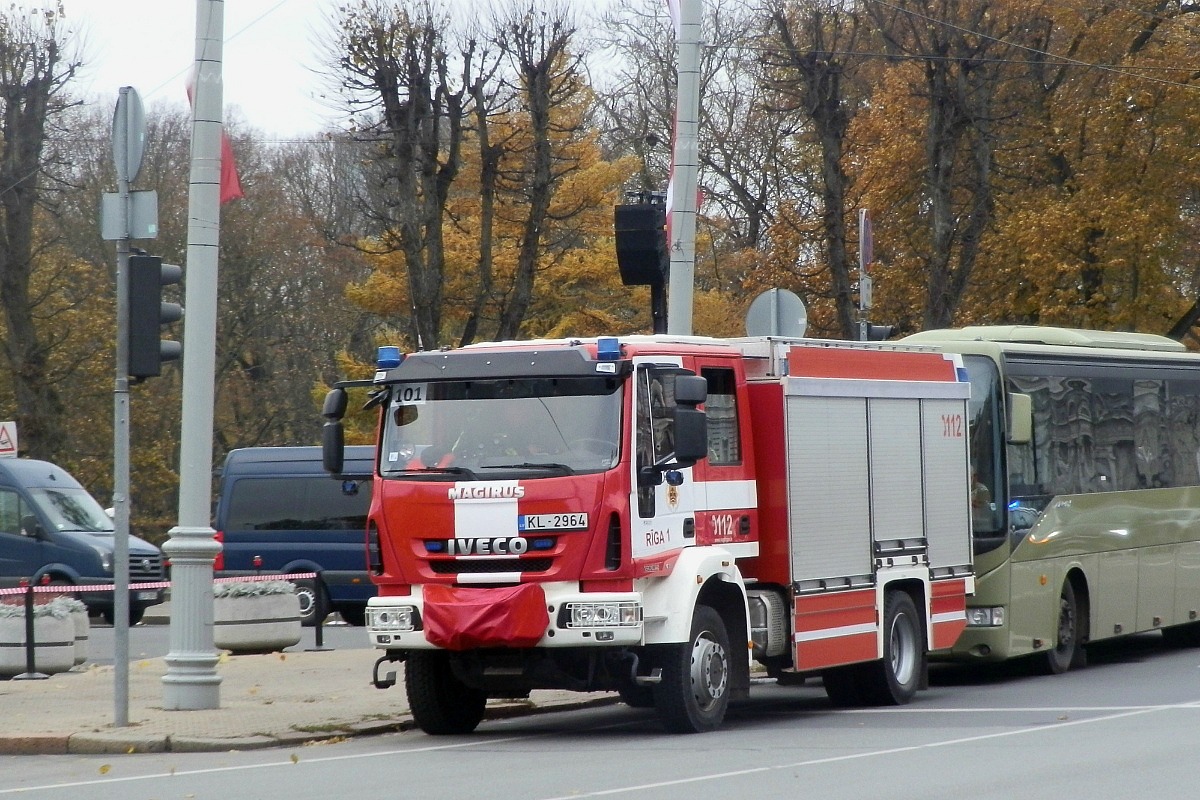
<point x="1020" y="418"/>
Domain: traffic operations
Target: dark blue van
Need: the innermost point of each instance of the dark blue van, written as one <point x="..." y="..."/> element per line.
<point x="53" y="531"/>
<point x="280" y="505"/>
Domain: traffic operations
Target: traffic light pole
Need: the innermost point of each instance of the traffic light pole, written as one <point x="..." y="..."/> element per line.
<point x="129" y="107"/>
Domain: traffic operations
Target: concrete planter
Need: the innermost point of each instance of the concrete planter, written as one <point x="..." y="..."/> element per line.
<point x="262" y="623"/>
<point x="54" y="644"/>
<point x="83" y="627"/>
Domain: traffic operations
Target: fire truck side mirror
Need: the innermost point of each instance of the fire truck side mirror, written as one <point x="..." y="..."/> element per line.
<point x="691" y="436"/>
<point x="333" y="447"/>
<point x="335" y="404"/>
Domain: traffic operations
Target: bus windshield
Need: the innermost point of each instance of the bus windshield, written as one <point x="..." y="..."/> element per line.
<point x="987" y="478"/>
<point x="490" y="429"/>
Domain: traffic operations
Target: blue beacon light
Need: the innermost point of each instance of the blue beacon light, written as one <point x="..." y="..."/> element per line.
<point x="608" y="348"/>
<point x="388" y="357"/>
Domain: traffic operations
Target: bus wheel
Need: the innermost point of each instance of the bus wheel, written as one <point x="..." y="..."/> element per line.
<point x="1067" y="651"/>
<point x="441" y="704"/>
<point x="694" y="693"/>
<point x="314" y="603"/>
<point x="894" y="679"/>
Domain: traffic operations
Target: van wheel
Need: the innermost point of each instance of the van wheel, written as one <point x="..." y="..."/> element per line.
<point x="355" y="616"/>
<point x="135" y="616"/>
<point x="314" y="602"/>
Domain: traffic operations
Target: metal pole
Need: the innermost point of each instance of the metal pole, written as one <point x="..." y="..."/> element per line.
<point x="685" y="171"/>
<point x="121" y="437"/>
<point x="192" y="681"/>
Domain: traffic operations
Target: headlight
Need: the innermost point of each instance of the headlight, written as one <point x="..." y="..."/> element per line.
<point x="603" y="615"/>
<point x="992" y="617"/>
<point x="106" y="558"/>
<point x="396" y="618"/>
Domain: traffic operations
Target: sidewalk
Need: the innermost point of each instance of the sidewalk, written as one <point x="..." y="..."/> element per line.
<point x="288" y="698"/>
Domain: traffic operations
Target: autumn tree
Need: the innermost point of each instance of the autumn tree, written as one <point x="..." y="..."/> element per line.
<point x="34" y="70"/>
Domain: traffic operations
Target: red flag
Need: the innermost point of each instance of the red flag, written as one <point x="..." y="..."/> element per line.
<point x="231" y="184"/>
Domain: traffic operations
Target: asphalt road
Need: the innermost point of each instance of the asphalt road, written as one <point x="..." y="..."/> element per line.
<point x="1125" y="727"/>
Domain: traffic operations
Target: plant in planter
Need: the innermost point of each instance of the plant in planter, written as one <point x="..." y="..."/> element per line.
<point x="255" y="616"/>
<point x="54" y="637"/>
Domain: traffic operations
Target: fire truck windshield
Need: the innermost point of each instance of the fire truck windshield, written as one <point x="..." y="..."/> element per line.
<point x="492" y="429"/>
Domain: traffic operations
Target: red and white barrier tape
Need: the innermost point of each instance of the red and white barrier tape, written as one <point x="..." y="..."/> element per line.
<point x="64" y="588"/>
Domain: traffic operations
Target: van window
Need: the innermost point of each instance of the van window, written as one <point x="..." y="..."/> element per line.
<point x="11" y="511"/>
<point x="72" y="510"/>
<point x="315" y="503"/>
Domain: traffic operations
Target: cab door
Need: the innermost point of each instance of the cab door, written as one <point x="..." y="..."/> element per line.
<point x="664" y="502"/>
<point x="726" y="492"/>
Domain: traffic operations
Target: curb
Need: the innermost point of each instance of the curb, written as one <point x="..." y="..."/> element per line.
<point x="130" y="741"/>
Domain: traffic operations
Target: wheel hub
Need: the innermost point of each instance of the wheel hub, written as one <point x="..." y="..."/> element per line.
<point x="710" y="672"/>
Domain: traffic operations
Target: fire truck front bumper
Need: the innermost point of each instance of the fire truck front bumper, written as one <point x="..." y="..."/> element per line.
<point x="528" y="615"/>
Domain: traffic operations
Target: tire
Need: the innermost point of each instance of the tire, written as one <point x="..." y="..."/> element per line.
<point x="440" y="703"/>
<point x="694" y="693"/>
<point x="895" y="678"/>
<point x="1186" y="635"/>
<point x="636" y="696"/>
<point x="355" y="616"/>
<point x="135" y="615"/>
<point x="842" y="685"/>
<point x="314" y="602"/>
<point x="1067" y="651"/>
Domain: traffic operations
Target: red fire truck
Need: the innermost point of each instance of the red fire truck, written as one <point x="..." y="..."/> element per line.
<point x="650" y="514"/>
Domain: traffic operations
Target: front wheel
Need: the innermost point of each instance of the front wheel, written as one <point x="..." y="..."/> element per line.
<point x="894" y="679"/>
<point x="694" y="693"/>
<point x="441" y="704"/>
<point x="1067" y="652"/>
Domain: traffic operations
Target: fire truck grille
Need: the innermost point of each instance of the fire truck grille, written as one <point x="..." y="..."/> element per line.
<point x="490" y="565"/>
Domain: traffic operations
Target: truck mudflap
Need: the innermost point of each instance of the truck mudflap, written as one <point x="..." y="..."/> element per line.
<point x="464" y="618"/>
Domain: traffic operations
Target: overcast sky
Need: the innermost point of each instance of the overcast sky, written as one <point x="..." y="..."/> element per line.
<point x="271" y="49"/>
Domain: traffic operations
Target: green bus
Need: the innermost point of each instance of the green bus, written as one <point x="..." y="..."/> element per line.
<point x="1085" y="453"/>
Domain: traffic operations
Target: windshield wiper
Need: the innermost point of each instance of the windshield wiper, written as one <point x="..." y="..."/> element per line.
<point x="436" y="471"/>
<point x="545" y="465"/>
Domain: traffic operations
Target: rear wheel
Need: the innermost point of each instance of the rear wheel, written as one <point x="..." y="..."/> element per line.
<point x="314" y="602"/>
<point x="894" y="679"/>
<point x="441" y="704"/>
<point x="694" y="693"/>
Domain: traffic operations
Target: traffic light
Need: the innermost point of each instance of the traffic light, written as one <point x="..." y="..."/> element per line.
<point x="148" y="313"/>
<point x="641" y="238"/>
